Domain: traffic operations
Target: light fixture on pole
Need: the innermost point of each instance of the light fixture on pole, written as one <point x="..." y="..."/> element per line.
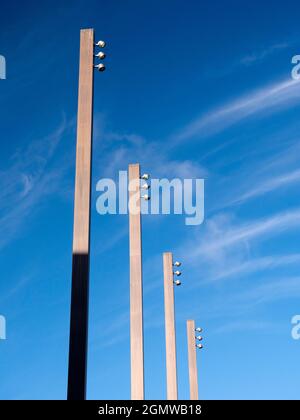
<point x="100" y="55"/>
<point x="101" y="44"/>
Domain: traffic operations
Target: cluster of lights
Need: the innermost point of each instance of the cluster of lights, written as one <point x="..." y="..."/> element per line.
<point x="145" y="186"/>
<point x="177" y="273"/>
<point x="199" y="338"/>
<point x="100" y="55"/>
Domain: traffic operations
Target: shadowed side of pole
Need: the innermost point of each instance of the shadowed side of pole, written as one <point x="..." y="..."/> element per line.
<point x="79" y="327"/>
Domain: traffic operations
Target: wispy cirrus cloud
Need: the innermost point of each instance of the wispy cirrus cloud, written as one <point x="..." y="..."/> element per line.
<point x="30" y="177"/>
<point x="133" y="148"/>
<point x="262" y="54"/>
<point x="283" y="288"/>
<point x="222" y="247"/>
<point x="252" y="265"/>
<point x="253" y="57"/>
<point x="245" y="326"/>
<point x="220" y="237"/>
<point x="270" y="98"/>
<point x="272" y="184"/>
<point x="27" y="166"/>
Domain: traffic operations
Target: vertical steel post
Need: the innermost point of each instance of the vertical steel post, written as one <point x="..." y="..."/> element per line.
<point x="136" y="288"/>
<point x="81" y="232"/>
<point x="171" y="365"/>
<point x="193" y="374"/>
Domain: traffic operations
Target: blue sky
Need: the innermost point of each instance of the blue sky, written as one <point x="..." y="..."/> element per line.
<point x="192" y="89"/>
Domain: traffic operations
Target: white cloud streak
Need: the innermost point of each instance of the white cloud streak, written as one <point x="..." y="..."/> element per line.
<point x="254" y="57"/>
<point x="256" y="264"/>
<point x="270" y="98"/>
<point x="279" y="289"/>
<point x="269" y="185"/>
<point x="27" y="180"/>
<point x="252" y="230"/>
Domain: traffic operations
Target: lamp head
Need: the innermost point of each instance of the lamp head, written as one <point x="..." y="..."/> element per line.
<point x="100" y="67"/>
<point x="101" y="44"/>
<point x="177" y="283"/>
<point x="101" y="55"/>
<point x="177" y="264"/>
<point x="177" y="273"/>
